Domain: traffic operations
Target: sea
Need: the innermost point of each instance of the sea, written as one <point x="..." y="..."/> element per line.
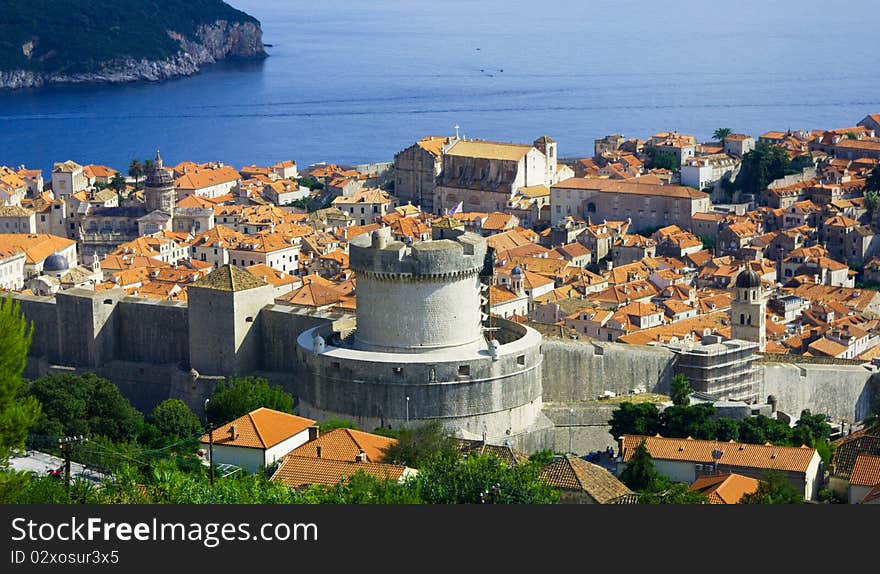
<point x="354" y="81"/>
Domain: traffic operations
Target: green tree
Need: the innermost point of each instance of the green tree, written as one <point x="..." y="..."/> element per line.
<point x="481" y="478"/>
<point x="681" y="390"/>
<point x="695" y="421"/>
<point x="542" y="457"/>
<point x="118" y="183"/>
<point x="17" y="413"/>
<point x="418" y="445"/>
<point x="639" y="473"/>
<point x="873" y="181"/>
<point x="762" y="165"/>
<point x="81" y="404"/>
<point x="635" y="418"/>
<point x="663" y="160"/>
<point x="174" y="420"/>
<point x="774" y="489"/>
<point x="237" y="396"/>
<point x="330" y="424"/>
<point x="721" y="134"/>
<point x="665" y="492"/>
<point x="136" y="170"/>
<point x="727" y="430"/>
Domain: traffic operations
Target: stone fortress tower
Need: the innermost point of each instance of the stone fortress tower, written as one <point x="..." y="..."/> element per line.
<point x="748" y="314"/>
<point x="420" y="350"/>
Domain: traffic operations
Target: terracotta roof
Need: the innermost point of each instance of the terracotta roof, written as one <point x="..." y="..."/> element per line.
<point x="261" y="428"/>
<point x="433" y="144"/>
<point x="229" y="278"/>
<point x="866" y="471"/>
<point x="346" y="444"/>
<point x="618" y="186"/>
<point x="201" y="178"/>
<point x="489" y="150"/>
<point x="572" y="473"/>
<point x="297" y="471"/>
<point x="787" y="458"/>
<point x="36" y="247"/>
<point x="725" y="488"/>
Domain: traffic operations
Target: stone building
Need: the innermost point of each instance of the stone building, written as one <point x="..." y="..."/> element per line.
<point x="722" y="369"/>
<point x="416" y="170"/>
<point x="647" y="205"/>
<point x="159" y="191"/>
<point x="485" y="176"/>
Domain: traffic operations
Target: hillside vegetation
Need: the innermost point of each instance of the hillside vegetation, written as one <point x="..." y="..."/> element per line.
<point x="78" y="35"/>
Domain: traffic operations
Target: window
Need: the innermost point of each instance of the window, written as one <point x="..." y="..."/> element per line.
<point x="464" y="370"/>
<point x="521" y="360"/>
<point x="742" y="319"/>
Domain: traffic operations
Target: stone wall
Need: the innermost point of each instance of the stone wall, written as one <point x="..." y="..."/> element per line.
<point x="841" y="391"/>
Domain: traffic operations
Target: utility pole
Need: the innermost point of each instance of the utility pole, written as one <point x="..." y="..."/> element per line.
<point x="66" y="445"/>
<point x="570" y="431"/>
<point x="407" y="411"/>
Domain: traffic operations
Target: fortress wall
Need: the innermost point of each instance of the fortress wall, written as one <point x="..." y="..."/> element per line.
<point x="153" y="332"/>
<point x="43" y="313"/>
<point x="581" y="371"/>
<point x="842" y="391"/>
<point x="280" y="326"/>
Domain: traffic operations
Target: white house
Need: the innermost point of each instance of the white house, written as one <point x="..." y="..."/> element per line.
<point x="207" y="181"/>
<point x="259" y="438"/>
<point x="685" y="460"/>
<point x="269" y="249"/>
<point x="68" y="178"/>
<point x="11" y="270"/>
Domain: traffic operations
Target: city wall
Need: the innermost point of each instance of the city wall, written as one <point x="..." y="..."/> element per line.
<point x="143" y="347"/>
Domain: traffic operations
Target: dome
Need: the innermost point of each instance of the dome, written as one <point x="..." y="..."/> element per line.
<point x="55" y="263"/>
<point x="748" y="278"/>
<point x="517" y="271"/>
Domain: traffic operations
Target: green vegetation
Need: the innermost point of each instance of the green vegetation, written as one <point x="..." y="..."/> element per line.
<point x="774" y="489"/>
<point x="762" y="165"/>
<point x="721" y="134"/>
<point x="416" y="446"/>
<point x="681" y="390"/>
<point x="237" y="396"/>
<point x="173" y="421"/>
<point x="73" y="36"/>
<point x="310" y="182"/>
<point x="17" y="413"/>
<point x="663" y="160"/>
<point x="331" y="424"/>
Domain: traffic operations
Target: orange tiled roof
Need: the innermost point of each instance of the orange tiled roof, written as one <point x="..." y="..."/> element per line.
<point x="866" y="471"/>
<point x="346" y="444"/>
<point x="786" y="458"/>
<point x="725" y="488"/>
<point x="297" y="471"/>
<point x="261" y="428"/>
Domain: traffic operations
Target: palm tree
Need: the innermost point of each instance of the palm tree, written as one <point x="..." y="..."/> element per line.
<point x="721" y="134"/>
<point x="118" y="183"/>
<point x="136" y="170"/>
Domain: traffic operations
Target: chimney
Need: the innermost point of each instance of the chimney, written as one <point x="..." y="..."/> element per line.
<point x="314" y="432"/>
<point x="318" y="450"/>
<point x="361" y="456"/>
<point x="232" y="434"/>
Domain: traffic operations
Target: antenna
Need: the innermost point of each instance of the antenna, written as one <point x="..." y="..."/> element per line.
<point x="456" y="130"/>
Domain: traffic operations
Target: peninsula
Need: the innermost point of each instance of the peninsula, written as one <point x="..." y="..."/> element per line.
<point x="65" y="41"/>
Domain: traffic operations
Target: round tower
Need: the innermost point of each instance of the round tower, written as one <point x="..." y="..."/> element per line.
<point x="417" y="297"/>
<point x="159" y="192"/>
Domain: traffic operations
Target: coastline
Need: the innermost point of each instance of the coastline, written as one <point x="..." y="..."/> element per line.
<point x="221" y="40"/>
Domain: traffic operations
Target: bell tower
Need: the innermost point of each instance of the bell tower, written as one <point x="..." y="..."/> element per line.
<point x="159" y="192"/>
<point x="749" y="310"/>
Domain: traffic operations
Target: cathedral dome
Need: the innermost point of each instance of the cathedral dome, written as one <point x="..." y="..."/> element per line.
<point x="748" y="278"/>
<point x="55" y="264"/>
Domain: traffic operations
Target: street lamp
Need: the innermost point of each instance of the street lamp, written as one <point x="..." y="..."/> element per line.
<point x="570" y="430"/>
<point x="407" y="410"/>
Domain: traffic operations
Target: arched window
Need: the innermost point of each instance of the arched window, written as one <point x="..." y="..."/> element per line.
<point x="750" y="319"/>
<point x="591" y="207"/>
<point x="742" y="319"/>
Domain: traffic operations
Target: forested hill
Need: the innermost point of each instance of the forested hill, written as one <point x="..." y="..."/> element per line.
<point x="78" y="36"/>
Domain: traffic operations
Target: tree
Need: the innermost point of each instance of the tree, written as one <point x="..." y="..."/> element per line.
<point x="173" y="419"/>
<point x="85" y="404"/>
<point x="681" y="390"/>
<point x="416" y="446"/>
<point x="635" y="418"/>
<point x="762" y="165"/>
<point x="237" y="396"/>
<point x="774" y="489"/>
<point x="665" y="492"/>
<point x="330" y="424"/>
<point x="721" y="134"/>
<point x="639" y="473"/>
<point x="17" y="413"/>
<point x="695" y="421"/>
<point x="481" y="478"/>
<point x="873" y="181"/>
<point x="136" y="170"/>
<point x="118" y="183"/>
<point x="663" y="160"/>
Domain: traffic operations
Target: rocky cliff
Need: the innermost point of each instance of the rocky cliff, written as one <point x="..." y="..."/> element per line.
<point x="218" y="41"/>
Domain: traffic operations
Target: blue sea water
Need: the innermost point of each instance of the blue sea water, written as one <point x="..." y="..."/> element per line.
<point x="352" y="81"/>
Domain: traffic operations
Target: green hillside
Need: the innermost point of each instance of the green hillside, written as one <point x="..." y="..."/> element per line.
<point x="77" y="35"/>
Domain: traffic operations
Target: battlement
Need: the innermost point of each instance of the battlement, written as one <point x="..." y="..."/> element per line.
<point x="381" y="257"/>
